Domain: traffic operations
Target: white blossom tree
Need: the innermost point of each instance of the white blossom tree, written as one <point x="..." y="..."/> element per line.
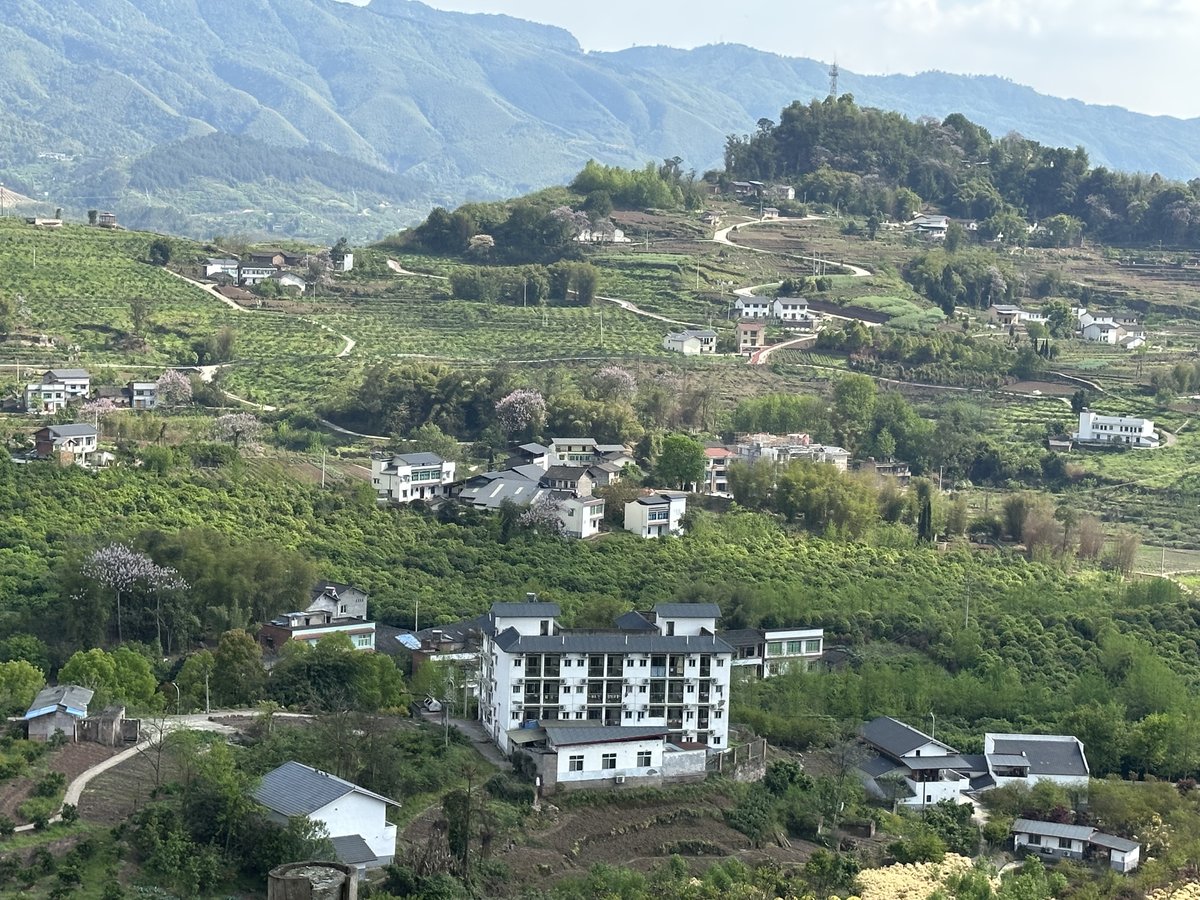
<point x="238" y="429"/>
<point x="615" y="383"/>
<point x="521" y="409"/>
<point x="119" y="568"/>
<point x="172" y="389"/>
<point x="542" y="516"/>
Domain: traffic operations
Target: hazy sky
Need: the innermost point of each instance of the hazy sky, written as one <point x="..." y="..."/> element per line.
<point x="1141" y="54"/>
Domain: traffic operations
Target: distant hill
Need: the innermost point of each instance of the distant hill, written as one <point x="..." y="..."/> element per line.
<point x="313" y="117"/>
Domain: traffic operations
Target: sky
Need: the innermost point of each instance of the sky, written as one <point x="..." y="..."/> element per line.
<point x="1140" y="54"/>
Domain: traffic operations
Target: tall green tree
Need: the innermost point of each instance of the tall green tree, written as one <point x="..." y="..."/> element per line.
<point x="680" y="463"/>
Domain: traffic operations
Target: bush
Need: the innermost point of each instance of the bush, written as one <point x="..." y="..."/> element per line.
<point x="70" y="813"/>
<point x="50" y="784"/>
<point x="510" y="789"/>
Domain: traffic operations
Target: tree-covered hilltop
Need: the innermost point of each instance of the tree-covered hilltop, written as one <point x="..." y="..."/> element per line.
<point x="873" y="161"/>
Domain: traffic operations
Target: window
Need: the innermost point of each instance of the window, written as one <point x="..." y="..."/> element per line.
<point x="642" y="662"/>
<point x="516" y="689"/>
<point x="516" y="716"/>
<point x="545" y="626"/>
<point x="1035" y="840"/>
<point x="812" y="646"/>
<point x="793" y="647"/>
<point x="1064" y="843"/>
<point x="608" y="761"/>
<point x="720" y="662"/>
<point x="775" y="648"/>
<point x="575" y="764"/>
<point x="641" y="689"/>
<point x="670" y="629"/>
<point x="692" y="663"/>
<point x="517" y="662"/>
<point x="566" y="662"/>
<point x="717" y="714"/>
<point x="628" y="714"/>
<point x="643" y="759"/>
<point x="691" y="689"/>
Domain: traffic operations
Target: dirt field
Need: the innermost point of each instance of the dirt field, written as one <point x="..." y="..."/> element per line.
<point x="557" y="843"/>
<point x="70" y="760"/>
<point x="111" y="797"/>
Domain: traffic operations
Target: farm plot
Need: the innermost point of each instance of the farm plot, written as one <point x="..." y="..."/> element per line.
<point x="398" y="326"/>
<point x="76" y="286"/>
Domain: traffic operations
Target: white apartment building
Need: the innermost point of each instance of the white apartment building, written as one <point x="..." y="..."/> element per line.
<point x="666" y="670"/>
<point x="404" y="477"/>
<point x="1098" y="429"/>
<point x="655" y="515"/>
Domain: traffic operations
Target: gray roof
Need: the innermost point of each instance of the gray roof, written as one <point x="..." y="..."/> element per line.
<point x="295" y="789"/>
<point x="743" y="637"/>
<point x="1008" y="760"/>
<point x="533" y="449"/>
<point x="69" y="373"/>
<point x="352" y="849"/>
<point x="1112" y="842"/>
<point x="1056" y="757"/>
<point x="634" y="621"/>
<point x="955" y="761"/>
<point x="879" y="765"/>
<point x="894" y="737"/>
<point x="565" y="473"/>
<point x="510" y="641"/>
<point x="687" y="610"/>
<point x="567" y="735"/>
<point x="418" y="459"/>
<point x="335" y="587"/>
<point x="70" y="431"/>
<point x="527" y="609"/>
<point x="611" y="448"/>
<point x="490" y="490"/>
<point x="1053" y="829"/>
<point x="573" y="440"/>
<point x="71" y="696"/>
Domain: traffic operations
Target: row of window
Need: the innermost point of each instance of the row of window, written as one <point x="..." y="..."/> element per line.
<point x="776" y="648"/>
<point x="609" y="761"/>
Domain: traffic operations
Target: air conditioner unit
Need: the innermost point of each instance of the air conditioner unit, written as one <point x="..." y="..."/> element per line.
<point x="618" y="779"/>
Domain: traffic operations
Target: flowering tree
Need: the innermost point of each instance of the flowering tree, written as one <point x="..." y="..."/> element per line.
<point x="120" y="569"/>
<point x="542" y="516"/>
<point x="520" y="410"/>
<point x="173" y="388"/>
<point x="237" y="428"/>
<point x="615" y="383"/>
<point x="98" y="410"/>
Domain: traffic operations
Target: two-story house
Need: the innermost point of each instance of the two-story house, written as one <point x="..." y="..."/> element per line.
<point x="143" y="394"/>
<point x="580" y="516"/>
<point x="767" y="652"/>
<point x="749" y="335"/>
<point x="751" y="307"/>
<point x="401" y="478"/>
<point x="656" y="514"/>
<point x="691" y="342"/>
<point x="75" y="443"/>
<point x="716" y="470"/>
<point x="57" y="388"/>
<point x="342" y="601"/>
<point x="1124" y="430"/>
<point x="308" y="627"/>
<point x="665" y="670"/>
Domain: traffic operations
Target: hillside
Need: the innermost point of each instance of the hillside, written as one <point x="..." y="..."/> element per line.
<point x="313" y="117"/>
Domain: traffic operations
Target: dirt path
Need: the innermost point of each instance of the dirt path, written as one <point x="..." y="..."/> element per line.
<point x="400" y="270"/>
<point x="638" y="311"/>
<point x="760" y="357"/>
<point x="722" y="237"/>
<point x="340" y="430"/>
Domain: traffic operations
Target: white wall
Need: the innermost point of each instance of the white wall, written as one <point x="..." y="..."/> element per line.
<point x="592" y="754"/>
<point x="930" y="792"/>
<point x="357" y="813"/>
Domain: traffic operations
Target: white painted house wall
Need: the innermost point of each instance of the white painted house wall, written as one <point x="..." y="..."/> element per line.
<point x="591" y="758"/>
<point x="360" y="814"/>
<point x="656" y="519"/>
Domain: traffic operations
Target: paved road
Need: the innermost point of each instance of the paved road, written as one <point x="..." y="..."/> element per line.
<point x="636" y="310"/>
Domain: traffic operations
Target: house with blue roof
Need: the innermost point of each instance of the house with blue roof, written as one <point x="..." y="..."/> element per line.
<point x="59" y="708"/>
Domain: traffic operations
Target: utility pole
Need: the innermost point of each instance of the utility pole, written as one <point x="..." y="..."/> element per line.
<point x="323" y="468"/>
<point x="697" y="273"/>
<point x="178" y="701"/>
<point x="207" y="705"/>
<point x="525" y="293"/>
<point x="417" y="617"/>
<point x="601" y="328"/>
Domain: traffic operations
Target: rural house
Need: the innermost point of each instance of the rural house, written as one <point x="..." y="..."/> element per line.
<point x="355" y="818"/>
<point x="1081" y="842"/>
<point x="332" y="609"/>
<point x="767" y="652"/>
<point x="656" y="514"/>
<point x="691" y="342"/>
<point x="401" y="478"/>
<point x="749" y="335"/>
<point x="59" y="708"/>
<point x="339" y="600"/>
<point x="1123" y="430"/>
<point x="580" y="516"/>
<point x="66" y="443"/>
<point x="143" y="394"/>
<point x="751" y="307"/>
<point x="57" y="388"/>
<point x="716" y="471"/>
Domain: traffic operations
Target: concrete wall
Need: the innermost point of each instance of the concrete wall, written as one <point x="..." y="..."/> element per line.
<point x="357" y="813"/>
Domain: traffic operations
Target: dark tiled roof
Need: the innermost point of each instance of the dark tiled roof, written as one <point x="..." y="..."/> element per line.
<point x="687" y="610"/>
<point x="527" y="609"/>
<point x="1053" y="829"/>
<point x="69" y="431"/>
<point x="569" y="735"/>
<point x="352" y="849"/>
<point x="1112" y="842"/>
<point x="565" y="473"/>
<point x="634" y="621"/>
<point x="892" y="736"/>
<point x="1057" y="757"/>
<point x="295" y="789"/>
<point x="742" y="637"/>
<point x="418" y="459"/>
<point x="879" y="765"/>
<point x="511" y="641"/>
<point x="69" y="373"/>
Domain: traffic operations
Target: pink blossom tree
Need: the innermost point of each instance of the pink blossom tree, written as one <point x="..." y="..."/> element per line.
<point x="172" y="389"/>
<point x="615" y="383"/>
<point x="119" y="568"/>
<point x="97" y="411"/>
<point x="521" y="410"/>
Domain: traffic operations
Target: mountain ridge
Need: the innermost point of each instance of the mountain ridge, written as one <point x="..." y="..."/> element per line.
<point x="426" y="107"/>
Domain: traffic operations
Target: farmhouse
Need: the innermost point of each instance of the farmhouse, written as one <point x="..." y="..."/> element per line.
<point x="914" y="769"/>
<point x="1123" y="430"/>
<point x="785" y="448"/>
<point x="656" y="514"/>
<point x="580" y="516"/>
<point x="66" y="443"/>
<point x="606" y="706"/>
<point x="792" y="311"/>
<point x="310" y="627"/>
<point x="749" y="335"/>
<point x="692" y="342"/>
<point x="770" y="212"/>
<point x="338" y="600"/>
<point x="1006" y="314"/>
<point x="1082" y="842"/>
<point x="355" y="818"/>
<point x="401" y="478"/>
<point x="754" y="307"/>
<point x="59" y="708"/>
<point x="251" y="274"/>
<point x="930" y="227"/>
<point x="716" y="470"/>
<point x="142" y="394"/>
<point x="57" y="388"/>
<point x="290" y="281"/>
<point x="220" y="267"/>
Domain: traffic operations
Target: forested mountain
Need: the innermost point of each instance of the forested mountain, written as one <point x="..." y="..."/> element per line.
<point x="870" y="161"/>
<point x="314" y="117"/>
